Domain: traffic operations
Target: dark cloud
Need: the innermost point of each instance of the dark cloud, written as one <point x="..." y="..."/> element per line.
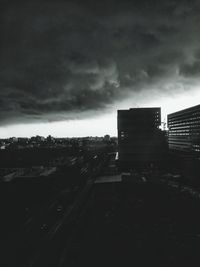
<point x="59" y="58"/>
<point x="190" y="70"/>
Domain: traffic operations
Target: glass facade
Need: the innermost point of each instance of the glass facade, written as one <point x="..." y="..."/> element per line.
<point x="184" y="131"/>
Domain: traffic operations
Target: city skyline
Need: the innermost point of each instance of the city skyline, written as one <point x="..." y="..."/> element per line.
<point x="74" y="126"/>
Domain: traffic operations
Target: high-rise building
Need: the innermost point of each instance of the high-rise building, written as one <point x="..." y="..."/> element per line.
<point x="140" y="141"/>
<point x="184" y="131"/>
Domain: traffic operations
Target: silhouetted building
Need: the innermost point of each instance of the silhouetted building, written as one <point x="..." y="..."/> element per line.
<point x="184" y="131"/>
<point x="140" y="141"/>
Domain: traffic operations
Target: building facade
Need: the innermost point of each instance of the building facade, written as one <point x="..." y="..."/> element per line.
<point x="184" y="131"/>
<point x="140" y="141"/>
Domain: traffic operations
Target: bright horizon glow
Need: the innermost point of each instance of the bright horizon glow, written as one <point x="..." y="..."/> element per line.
<point x="101" y="125"/>
<point x="74" y="128"/>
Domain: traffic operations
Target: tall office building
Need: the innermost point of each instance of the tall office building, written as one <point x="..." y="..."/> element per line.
<point x="140" y="141"/>
<point x="184" y="131"/>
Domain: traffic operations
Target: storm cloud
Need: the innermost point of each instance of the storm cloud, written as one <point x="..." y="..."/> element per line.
<point x="60" y="59"/>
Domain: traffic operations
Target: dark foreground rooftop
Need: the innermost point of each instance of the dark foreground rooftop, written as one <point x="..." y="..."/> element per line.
<point x="129" y="224"/>
<point x="137" y="225"/>
<point x="139" y="220"/>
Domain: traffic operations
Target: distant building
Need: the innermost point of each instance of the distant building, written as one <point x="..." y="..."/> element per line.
<point x="13" y="139"/>
<point x="140" y="140"/>
<point x="37" y="138"/>
<point x="184" y="131"/>
<point x="107" y="137"/>
<point x="50" y="139"/>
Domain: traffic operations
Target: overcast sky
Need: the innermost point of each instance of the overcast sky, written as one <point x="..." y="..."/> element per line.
<point x="67" y="66"/>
